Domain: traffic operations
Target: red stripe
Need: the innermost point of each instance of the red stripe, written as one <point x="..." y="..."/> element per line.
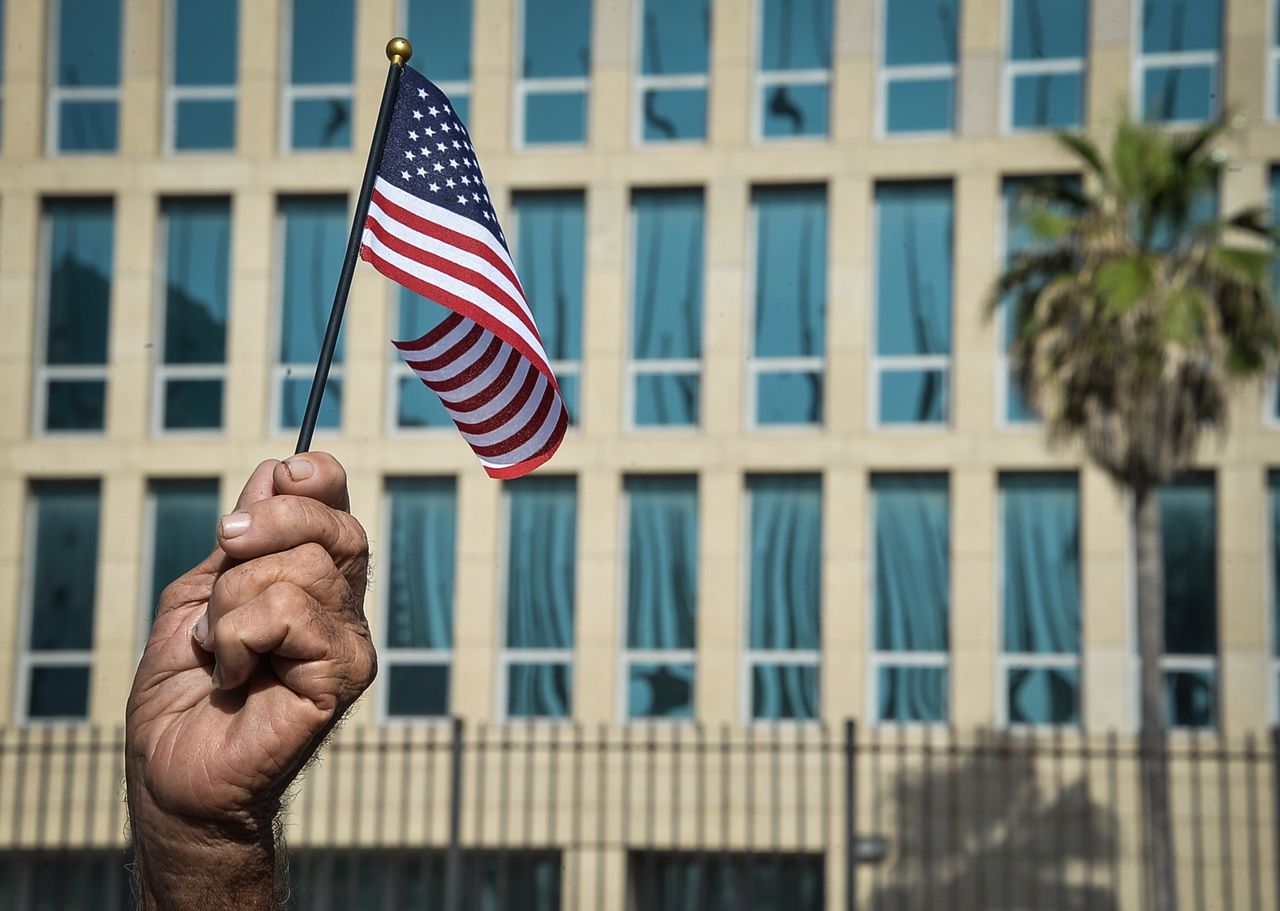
<point x="422" y="343"/>
<point x="507" y="412"/>
<point x="527" y="430"/>
<point x="471" y="371"/>
<point x="500" y="382"/>
<point x="450" y="354"/>
<point x="520" y="469"/>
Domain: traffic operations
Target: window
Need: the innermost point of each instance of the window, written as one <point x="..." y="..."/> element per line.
<point x="440" y="31"/>
<point x="551" y="95"/>
<point x="666" y="311"/>
<point x="415" y="405"/>
<point x="916" y="82"/>
<point x="724" y="881"/>
<point x="662" y="596"/>
<point x="788" y="338"/>
<point x="537" y="663"/>
<point x="418" y="620"/>
<point x="2" y="40"/>
<point x="1040" y="598"/>
<point x="1273" y="64"/>
<point x="201" y="115"/>
<point x="57" y="657"/>
<point x="1177" y="67"/>
<point x="1044" y="71"/>
<point x="183" y="515"/>
<point x="675" y="37"/>
<point x="317" y="98"/>
<point x="912" y="364"/>
<point x="313" y="232"/>
<point x="784" y="608"/>
<point x="1273" y="495"/>
<point x="911" y="600"/>
<point x="71" y="375"/>
<point x="39" y="879"/>
<point x="191" y="376"/>
<point x="1272" y="395"/>
<point x="793" y="83"/>
<point x="84" y="76"/>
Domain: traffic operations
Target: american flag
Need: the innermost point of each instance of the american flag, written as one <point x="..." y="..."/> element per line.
<point x="432" y="229"/>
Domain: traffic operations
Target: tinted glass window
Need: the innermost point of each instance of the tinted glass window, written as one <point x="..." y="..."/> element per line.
<point x="676" y="36"/>
<point x="205" y="37"/>
<point x="322" y="41"/>
<point x="1181" y="25"/>
<point x="1048" y="29"/>
<point x="66" y="536"/>
<point x="541" y="556"/>
<point x="795" y="35"/>
<point x="791" y="272"/>
<point x="1041" y="564"/>
<point x="87" y="49"/>
<point x="785" y="562"/>
<point x="913" y="314"/>
<point x="662" y="562"/>
<point x="184" y="516"/>
<point x="1189" y="528"/>
<point x="920" y="31"/>
<point x="440" y="31"/>
<point x="421" y="563"/>
<point x="557" y="38"/>
<point x="550" y="250"/>
<point x="81" y="247"/>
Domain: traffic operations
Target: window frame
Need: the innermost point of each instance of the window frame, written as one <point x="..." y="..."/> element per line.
<point x="649" y="82"/>
<point x="175" y="94"/>
<point x="1011" y="70"/>
<point x="56" y="94"/>
<point x="1140" y="62"/>
<point x="762" y="80"/>
<point x="290" y="93"/>
<point x="523" y="86"/>
<point x="916" y="72"/>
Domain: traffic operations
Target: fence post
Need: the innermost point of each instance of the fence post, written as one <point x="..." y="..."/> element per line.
<point x="453" y="859"/>
<point x="850" y="815"/>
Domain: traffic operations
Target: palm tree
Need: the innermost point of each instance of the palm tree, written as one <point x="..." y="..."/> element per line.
<point x="1134" y="317"/>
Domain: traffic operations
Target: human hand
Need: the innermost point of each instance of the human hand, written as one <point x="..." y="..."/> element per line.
<point x="253" y="657"/>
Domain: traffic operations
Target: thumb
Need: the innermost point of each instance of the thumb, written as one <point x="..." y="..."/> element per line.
<point x="260" y="485"/>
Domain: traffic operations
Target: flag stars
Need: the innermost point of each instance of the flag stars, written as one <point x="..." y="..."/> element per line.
<point x="434" y="188"/>
<point x="462" y="200"/>
<point x="422" y="172"/>
<point x="453" y="162"/>
<point x="442" y="147"/>
<point x="446" y="109"/>
<point x="456" y="144"/>
<point x="426" y="152"/>
<point x="486" y="215"/>
<point x="433" y="111"/>
<point x="466" y="181"/>
<point x="445" y="126"/>
<point x="417" y="115"/>
<point x="450" y="184"/>
<point x="422" y="93"/>
<point x="428" y="132"/>
<point x="405" y="175"/>
<point x="476" y="197"/>
<point x="408" y="154"/>
<point x="413" y="134"/>
<point x="437" y="167"/>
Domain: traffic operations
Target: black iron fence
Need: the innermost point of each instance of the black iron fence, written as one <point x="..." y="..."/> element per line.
<point x="687" y="818"/>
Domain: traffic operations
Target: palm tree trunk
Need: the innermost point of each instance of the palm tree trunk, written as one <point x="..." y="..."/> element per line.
<point x="1155" y="765"/>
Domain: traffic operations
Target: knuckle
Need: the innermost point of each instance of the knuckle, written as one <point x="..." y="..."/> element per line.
<point x="313" y="559"/>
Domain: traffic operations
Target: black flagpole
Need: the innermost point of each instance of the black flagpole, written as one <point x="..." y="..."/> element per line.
<point x="399" y="50"/>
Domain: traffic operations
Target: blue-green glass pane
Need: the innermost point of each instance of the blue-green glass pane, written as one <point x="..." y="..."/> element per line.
<point x="912" y="563"/>
<point x="788" y="398"/>
<point x="1191" y="699"/>
<point x="667" y="309"/>
<point x="205" y="37"/>
<point x="461" y="102"/>
<point x="1044" y="696"/>
<point x="293" y="403"/>
<point x="323" y="37"/>
<point x="795" y="110"/>
<point x="418" y="406"/>
<point x="1273" y="487"/>
<point x="569" y="392"/>
<point x="671" y="114"/>
<point x="418" y="316"/>
<point x="315" y="239"/>
<point x="660" y="691"/>
<point x="417" y="690"/>
<point x="421" y="563"/>
<point x="784" y="692"/>
<point x="1017" y="409"/>
<point x="205" y="125"/>
<point x="913" y="397"/>
<point x="912" y="694"/>
<point x="791" y="272"/>
<point x="676" y="36"/>
<point x="1275" y="109"/>
<point x="667" y="400"/>
<point x="80" y="254"/>
<point x="920" y="31"/>
<point x="66" y="878"/>
<point x="1040" y="575"/>
<point x="539" y="690"/>
<point x="441" y="34"/>
<point x="64" y="572"/>
<point x="1048" y="29"/>
<point x="87" y="49"/>
<point x="197" y="275"/>
<point x="75" y="405"/>
<point x="322" y="123"/>
<point x="785" y="607"/>
<point x="58" y="692"/>
<point x="920" y="105"/>
<point x="913" y="268"/>
<point x="1053" y="100"/>
<point x="795" y="35"/>
<point x="183" y="517"/>
<point x="557" y="38"/>
<point x="550" y="259"/>
<point x="192" y="404"/>
<point x="1180" y="25"/>
<point x="1188" y="526"/>
<point x="88" y="126"/>
<point x="1181" y="93"/>
<point x="552" y="117"/>
<point x="662" y="562"/>
<point x="541" y="557"/>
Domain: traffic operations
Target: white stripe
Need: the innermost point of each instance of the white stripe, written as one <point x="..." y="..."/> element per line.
<point x="456" y="365"/>
<point x="496" y="400"/>
<point x="517" y="421"/>
<point x="535" y="443"/>
<point x="454" y="336"/>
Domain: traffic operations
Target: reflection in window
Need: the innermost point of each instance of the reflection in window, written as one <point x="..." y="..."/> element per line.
<point x="793" y="83"/>
<point x="912" y="363"/>
<point x="317" y="98"/>
<point x="784" y="616"/>
<point x="57" y="658"/>
<point x="314" y="235"/>
<point x="418" y="621"/>
<point x="71" y="379"/>
<point x="662" y="594"/>
<point x="912" y="598"/>
<point x="202" y="81"/>
<point x="191" y="376"/>
<point x="537" y="662"/>
<point x="183" y="515"/>
<point x="1040" y="598"/>
<point x="555" y="72"/>
<point x="1273" y="497"/>
<point x="84" y="98"/>
<point x="1273" y="400"/>
<point x="666" y="310"/>
<point x="917" y="77"/>
<point x="675" y="37"/>
<point x="786" y="364"/>
<point x="724" y="881"/>
<point x="1178" y="64"/>
<point x="440" y="31"/>
<point x="1044" y="72"/>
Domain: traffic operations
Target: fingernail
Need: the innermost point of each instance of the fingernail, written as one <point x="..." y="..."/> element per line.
<point x="299" y="469"/>
<point x="216" y="679"/>
<point x="201" y="629"/>
<point x="235" y="524"/>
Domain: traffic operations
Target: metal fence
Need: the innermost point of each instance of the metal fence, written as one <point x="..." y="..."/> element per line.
<point x="686" y="818"/>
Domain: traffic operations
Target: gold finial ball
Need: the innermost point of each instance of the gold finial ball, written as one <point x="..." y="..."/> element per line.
<point x="399" y="50"/>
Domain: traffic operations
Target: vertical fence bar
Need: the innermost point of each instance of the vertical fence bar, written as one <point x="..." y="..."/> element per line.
<point x="1251" y="823"/>
<point x="1197" y="822"/>
<point x="850" y="815"/>
<point x="453" y="861"/>
<point x="1224" y="822"/>
<point x="1275" y="811"/>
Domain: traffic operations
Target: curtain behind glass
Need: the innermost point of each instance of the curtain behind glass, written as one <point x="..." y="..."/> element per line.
<point x="662" y="571"/>
<point x="791" y="271"/>
<point x="912" y="563"/>
<point x="550" y="250"/>
<point x="197" y="270"/>
<point x="315" y="239"/>
<point x="541" y="552"/>
<point x="667" y="315"/>
<point x="920" y="32"/>
<point x="184" y="519"/>
<point x="81" y="248"/>
<point x="1041" y="579"/>
<point x="1188" y="526"/>
<point x="786" y="562"/>
<point x="423" y="532"/>
<point x="913" y="295"/>
<point x="65" y="572"/>
<point x="1273" y="482"/>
